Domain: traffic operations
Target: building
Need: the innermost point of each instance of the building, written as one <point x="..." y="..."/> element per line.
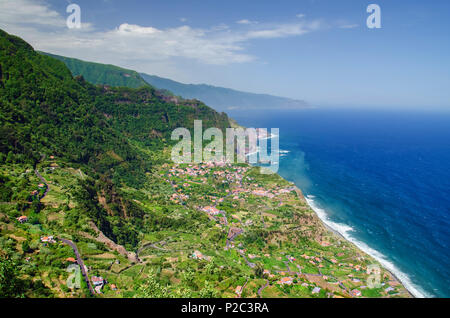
<point x="316" y="290"/>
<point x="356" y="293"/>
<point x="389" y="289"/>
<point x="22" y="219"/>
<point x="71" y="260"/>
<point x="47" y="239"/>
<point x="211" y="210"/>
<point x="286" y="281"/>
<point x="97" y="280"/>
<point x="197" y="255"/>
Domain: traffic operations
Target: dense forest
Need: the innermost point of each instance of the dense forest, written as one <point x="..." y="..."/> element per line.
<point x="97" y="73"/>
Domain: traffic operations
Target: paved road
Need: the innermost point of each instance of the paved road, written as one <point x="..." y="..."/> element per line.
<point x="47" y="188"/>
<point x="80" y="263"/>
<point x="262" y="288"/>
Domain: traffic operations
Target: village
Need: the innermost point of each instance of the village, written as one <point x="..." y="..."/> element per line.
<point x="254" y="231"/>
<point x="240" y="188"/>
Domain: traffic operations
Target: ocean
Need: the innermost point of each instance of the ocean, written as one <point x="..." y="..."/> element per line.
<point x="379" y="178"/>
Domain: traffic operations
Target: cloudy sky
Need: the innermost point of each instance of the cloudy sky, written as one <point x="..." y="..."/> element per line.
<point x="317" y="50"/>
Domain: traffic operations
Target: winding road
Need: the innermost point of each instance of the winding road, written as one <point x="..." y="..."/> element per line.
<point x="80" y="263"/>
<point x="47" y="188"/>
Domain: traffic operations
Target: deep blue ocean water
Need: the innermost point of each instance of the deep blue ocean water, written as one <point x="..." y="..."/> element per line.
<point x="380" y="178"/>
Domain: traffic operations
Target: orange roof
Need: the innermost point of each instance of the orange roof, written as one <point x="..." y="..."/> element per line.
<point x="71" y="259"/>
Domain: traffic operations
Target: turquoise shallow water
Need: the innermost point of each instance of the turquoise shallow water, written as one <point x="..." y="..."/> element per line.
<point x="381" y="178"/>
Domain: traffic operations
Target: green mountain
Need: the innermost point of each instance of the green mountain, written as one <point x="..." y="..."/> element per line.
<point x="104" y="74"/>
<point x="224" y="99"/>
<point x="219" y="98"/>
<point x="116" y="135"/>
<point x="86" y="178"/>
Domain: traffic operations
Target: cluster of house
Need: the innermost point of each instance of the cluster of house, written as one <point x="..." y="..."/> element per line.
<point x="232" y="174"/>
<point x="211" y="210"/>
<point x="179" y="197"/>
<point x="355" y="267"/>
<point x="313" y="260"/>
<point x="261" y="192"/>
<point x="99" y="282"/>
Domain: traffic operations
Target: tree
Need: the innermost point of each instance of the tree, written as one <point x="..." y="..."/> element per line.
<point x="208" y="291"/>
<point x="259" y="270"/>
<point x="151" y="288"/>
<point x="10" y="285"/>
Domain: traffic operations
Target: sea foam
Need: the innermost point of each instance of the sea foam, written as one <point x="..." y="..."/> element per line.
<point x="345" y="231"/>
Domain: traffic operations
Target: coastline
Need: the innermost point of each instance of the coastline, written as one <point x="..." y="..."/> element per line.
<point x="396" y="274"/>
<point x="388" y="266"/>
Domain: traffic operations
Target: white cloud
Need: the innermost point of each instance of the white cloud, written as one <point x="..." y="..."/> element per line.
<point x="245" y="21"/>
<point x="132" y="29"/>
<point x="35" y="12"/>
<point x="300" y="15"/>
<point x="131" y="45"/>
<point x="284" y="30"/>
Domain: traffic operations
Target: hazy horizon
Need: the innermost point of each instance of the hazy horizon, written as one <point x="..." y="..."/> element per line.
<point x="318" y="51"/>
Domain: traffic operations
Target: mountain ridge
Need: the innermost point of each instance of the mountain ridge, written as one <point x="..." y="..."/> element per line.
<point x="220" y="98"/>
<point x="223" y="99"/>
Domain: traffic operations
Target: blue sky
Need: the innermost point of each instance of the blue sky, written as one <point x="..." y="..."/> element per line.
<point x="317" y="50"/>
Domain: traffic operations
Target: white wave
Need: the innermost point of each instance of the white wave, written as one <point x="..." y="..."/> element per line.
<point x="267" y="137"/>
<point x="345" y="231"/>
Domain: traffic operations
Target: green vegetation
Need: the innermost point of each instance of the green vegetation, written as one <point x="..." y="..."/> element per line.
<point x="103" y="74"/>
<point x="90" y="164"/>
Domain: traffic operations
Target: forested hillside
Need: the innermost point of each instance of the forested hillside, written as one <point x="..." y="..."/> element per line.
<point x="97" y="73"/>
<point x="219" y="98"/>
<point x="85" y="178"/>
<point x="116" y="135"/>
